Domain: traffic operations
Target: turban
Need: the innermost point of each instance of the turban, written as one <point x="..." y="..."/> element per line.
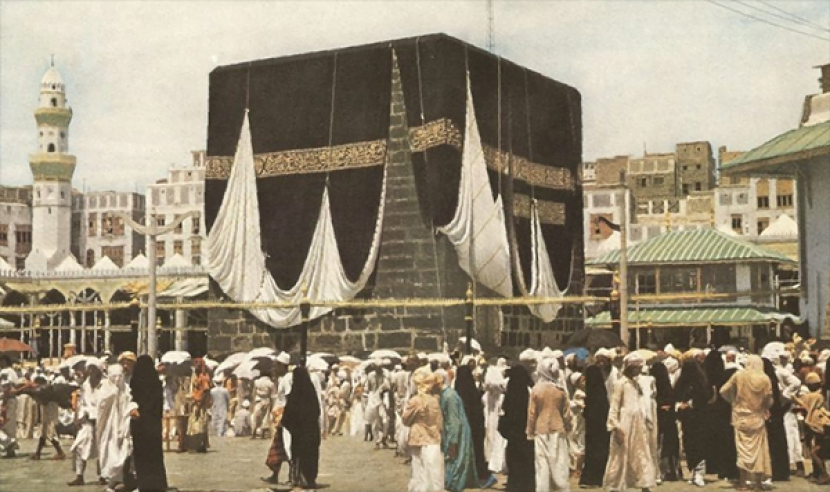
<point x="127" y="356"/>
<point x="548" y="370"/>
<point x="633" y="359"/>
<point x="812" y="378"/>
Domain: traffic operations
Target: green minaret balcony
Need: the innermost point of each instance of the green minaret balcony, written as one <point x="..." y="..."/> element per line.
<point x="52" y="167"/>
<point x="59" y="117"/>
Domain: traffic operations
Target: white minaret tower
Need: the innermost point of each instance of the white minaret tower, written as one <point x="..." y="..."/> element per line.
<point x="52" y="168"/>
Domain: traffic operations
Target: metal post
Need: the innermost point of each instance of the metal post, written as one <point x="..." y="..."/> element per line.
<point x="152" y="340"/>
<point x="468" y="318"/>
<point x="624" y="267"/>
<point x="181" y="325"/>
<point x="107" y="333"/>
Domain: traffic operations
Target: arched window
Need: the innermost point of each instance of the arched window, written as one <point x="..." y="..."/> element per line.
<point x="90" y="258"/>
<point x="51" y="147"/>
<point x="54" y="102"/>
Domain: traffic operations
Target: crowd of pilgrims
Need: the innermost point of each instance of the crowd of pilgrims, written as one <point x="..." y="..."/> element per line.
<point x="609" y="419"/>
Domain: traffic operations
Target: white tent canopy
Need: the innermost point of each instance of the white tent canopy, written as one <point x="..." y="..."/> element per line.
<point x="140" y="262"/>
<point x="782" y="226"/>
<point x="104" y="264"/>
<point x="69" y="264"/>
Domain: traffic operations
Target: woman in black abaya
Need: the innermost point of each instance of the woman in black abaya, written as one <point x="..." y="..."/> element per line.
<point x="722" y="456"/>
<point x="693" y="392"/>
<point x="465" y="386"/>
<point x="597" y="437"/>
<point x="667" y="435"/>
<point x="302" y="419"/>
<point x="519" y="454"/>
<point x="776" y="433"/>
<point x="148" y="455"/>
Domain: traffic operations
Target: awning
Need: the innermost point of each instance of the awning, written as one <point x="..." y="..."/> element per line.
<point x="666" y="317"/>
<point x="777" y="156"/>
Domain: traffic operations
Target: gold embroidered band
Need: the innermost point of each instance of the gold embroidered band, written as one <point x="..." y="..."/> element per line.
<point x="372" y="153"/>
<point x="549" y="212"/>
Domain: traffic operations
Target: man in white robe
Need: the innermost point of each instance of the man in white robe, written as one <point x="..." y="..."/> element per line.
<point x="8" y="417"/>
<point x="494" y="444"/>
<point x="790" y="387"/>
<point x="115" y="409"/>
<point x="377" y="383"/>
<point x="263" y="389"/>
<point x="631" y="419"/>
<point x="85" y="446"/>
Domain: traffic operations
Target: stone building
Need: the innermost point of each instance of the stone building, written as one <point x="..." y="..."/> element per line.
<point x="15" y="225"/>
<point x="413" y="126"/>
<point x="104" y="233"/>
<point x="183" y="191"/>
<point x="696" y="167"/>
<point x="803" y="154"/>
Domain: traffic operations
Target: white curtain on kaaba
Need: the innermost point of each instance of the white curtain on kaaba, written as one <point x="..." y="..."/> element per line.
<point x="478" y="229"/>
<point x="237" y="263"/>
<point x="543" y="283"/>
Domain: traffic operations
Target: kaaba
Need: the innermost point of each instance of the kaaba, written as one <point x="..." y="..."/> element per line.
<point x="328" y="121"/>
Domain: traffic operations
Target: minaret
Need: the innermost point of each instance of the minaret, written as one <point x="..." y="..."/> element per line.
<point x="52" y="168"/>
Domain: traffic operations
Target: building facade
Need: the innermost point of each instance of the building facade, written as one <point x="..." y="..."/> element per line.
<point x="104" y="232"/>
<point x="183" y="191"/>
<point x="15" y="225"/>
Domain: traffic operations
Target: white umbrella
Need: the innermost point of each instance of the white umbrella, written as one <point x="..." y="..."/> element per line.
<point x="315" y="362"/>
<point x="75" y="360"/>
<point x="247" y="370"/>
<point x="439" y="357"/>
<point x="528" y="355"/>
<point x="349" y="360"/>
<point x="261" y="352"/>
<point x="230" y="363"/>
<point x="210" y="363"/>
<point x="385" y="354"/>
<point x="473" y="343"/>
<point x="175" y="357"/>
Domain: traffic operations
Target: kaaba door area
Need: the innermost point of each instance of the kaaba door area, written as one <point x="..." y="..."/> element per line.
<point x="336" y="120"/>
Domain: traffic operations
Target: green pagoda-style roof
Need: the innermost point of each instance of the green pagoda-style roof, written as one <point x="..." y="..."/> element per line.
<point x="695" y="316"/>
<point x="795" y="145"/>
<point x="692" y="246"/>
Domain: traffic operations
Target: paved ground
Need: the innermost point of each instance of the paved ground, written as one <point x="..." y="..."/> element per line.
<point x="347" y="465"/>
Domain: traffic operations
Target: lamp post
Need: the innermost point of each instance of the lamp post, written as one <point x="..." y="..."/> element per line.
<point x="151" y="230"/>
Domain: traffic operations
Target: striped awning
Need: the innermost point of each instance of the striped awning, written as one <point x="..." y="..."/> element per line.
<point x="692" y="246"/>
<point x="777" y="155"/>
<point x="665" y="317"/>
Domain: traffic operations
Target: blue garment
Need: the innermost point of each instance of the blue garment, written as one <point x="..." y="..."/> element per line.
<point x="459" y="473"/>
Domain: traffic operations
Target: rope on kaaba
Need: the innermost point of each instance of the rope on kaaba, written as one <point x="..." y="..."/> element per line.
<point x="331" y="114"/>
<point x="429" y="185"/>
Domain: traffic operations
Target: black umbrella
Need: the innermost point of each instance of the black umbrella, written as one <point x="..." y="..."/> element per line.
<point x="595" y="338"/>
<point x="57" y="393"/>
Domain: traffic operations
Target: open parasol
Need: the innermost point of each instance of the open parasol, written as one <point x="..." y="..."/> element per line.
<point x="12" y="345"/>
<point x="646" y="354"/>
<point x="385" y="354"/>
<point x="438" y="357"/>
<point x="473" y="343"/>
<point x="581" y="353"/>
<point x="176" y="357"/>
<point x="261" y="352"/>
<point x="349" y="360"/>
<point x="316" y="363"/>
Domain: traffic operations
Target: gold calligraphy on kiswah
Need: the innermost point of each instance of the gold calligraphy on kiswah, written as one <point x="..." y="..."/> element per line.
<point x="549" y="212"/>
<point x="372" y="153"/>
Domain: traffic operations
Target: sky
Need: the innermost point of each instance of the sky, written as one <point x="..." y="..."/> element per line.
<point x="651" y="73"/>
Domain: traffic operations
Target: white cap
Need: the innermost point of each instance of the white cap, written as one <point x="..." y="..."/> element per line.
<point x="284" y="358"/>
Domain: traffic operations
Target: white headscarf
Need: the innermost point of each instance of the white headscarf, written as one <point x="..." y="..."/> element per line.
<point x="548" y="370"/>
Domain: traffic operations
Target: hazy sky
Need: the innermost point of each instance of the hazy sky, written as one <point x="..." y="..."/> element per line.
<point x="649" y="71"/>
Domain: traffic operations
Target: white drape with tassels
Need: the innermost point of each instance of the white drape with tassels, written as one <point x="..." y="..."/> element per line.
<point x="237" y="263"/>
<point x="543" y="283"/>
<point x="477" y="230"/>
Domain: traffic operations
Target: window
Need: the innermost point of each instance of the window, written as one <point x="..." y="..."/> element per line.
<point x="160" y="220"/>
<point x="178" y="247"/>
<point x="196" y="246"/>
<point x="763" y="202"/>
<point x="122" y="201"/>
<point x="4" y="234"/>
<point x="54" y="101"/>
<point x="155" y="196"/>
<point x="784" y="201"/>
<point x="51" y="148"/>
<point x="171" y="196"/>
<point x="107" y="224"/>
<point x="762" y="224"/>
<point x="678" y="280"/>
<point x="115" y="253"/>
<point x="658" y="181"/>
<point x="90" y="258"/>
<point x="63" y="135"/>
<point x="23" y="234"/>
<point x="646" y="283"/>
<point x="92" y="225"/>
<point x="195" y="225"/>
<point x="737" y="223"/>
<point x="685" y="168"/>
<point x="698" y="186"/>
<point x="698" y="167"/>
<point x="685" y="189"/>
<point x="196" y="260"/>
<point x="184" y="195"/>
<point x="92" y="202"/>
<point x="178" y="228"/>
<point x="160" y="249"/>
<point x="643" y="182"/>
<point x="63" y="194"/>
